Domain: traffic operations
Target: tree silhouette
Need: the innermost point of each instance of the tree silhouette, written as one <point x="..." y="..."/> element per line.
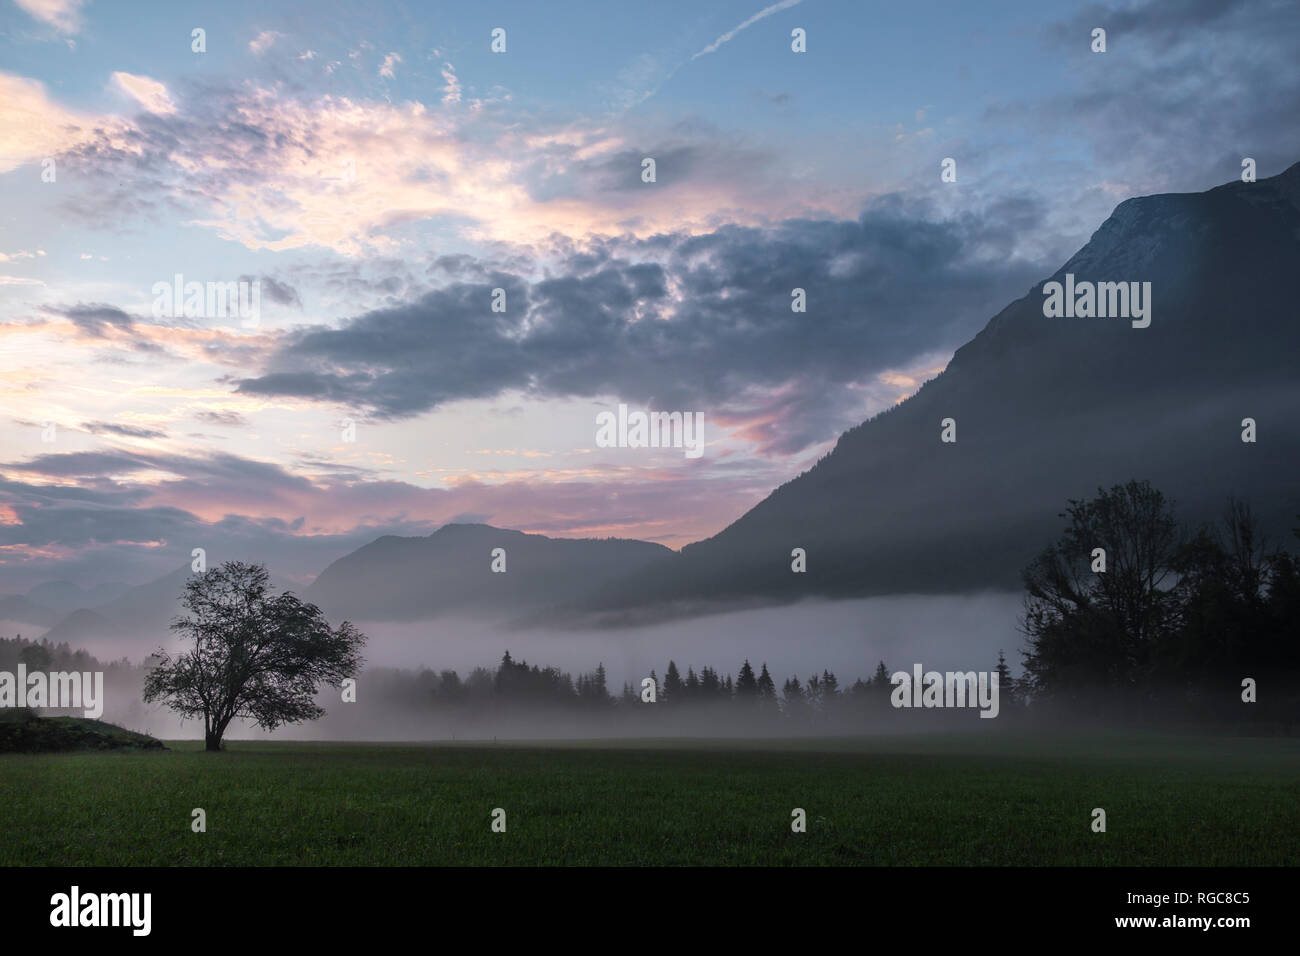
<point x="1237" y="613"/>
<point x="255" y="656"/>
<point x="746" y="682"/>
<point x="1095" y="630"/>
<point x="672" y="683"/>
<point x="692" y="685"/>
<point x="766" y="690"/>
<point x="792" y="699"/>
<point x="1008" y="693"/>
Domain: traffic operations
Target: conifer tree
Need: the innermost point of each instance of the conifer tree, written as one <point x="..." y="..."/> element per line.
<point x="766" y="689"/>
<point x="672" y="689"/>
<point x="746" y="683"/>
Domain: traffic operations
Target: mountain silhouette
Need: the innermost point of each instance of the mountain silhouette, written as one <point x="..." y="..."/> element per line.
<point x="142" y="614"/>
<point x="1049" y="409"/>
<point x="68" y="596"/>
<point x="403" y="578"/>
<point x="81" y="627"/>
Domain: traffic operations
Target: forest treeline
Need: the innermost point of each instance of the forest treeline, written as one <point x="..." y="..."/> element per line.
<point x="516" y="682"/>
<point x="47" y="656"/>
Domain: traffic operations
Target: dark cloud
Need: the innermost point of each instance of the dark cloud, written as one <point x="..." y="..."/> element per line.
<point x="211" y="469"/>
<point x="1183" y="93"/>
<point x="1162" y="24"/>
<point x="126" y="431"/>
<point x="81" y="464"/>
<point x="686" y="322"/>
<point x="94" y="492"/>
<point x="78" y="525"/>
<point x="618" y="172"/>
<point x="231" y="419"/>
<point x="278" y="292"/>
<point x="93" y="318"/>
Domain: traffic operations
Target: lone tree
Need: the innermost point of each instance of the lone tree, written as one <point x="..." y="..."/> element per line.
<point x="256" y="656"/>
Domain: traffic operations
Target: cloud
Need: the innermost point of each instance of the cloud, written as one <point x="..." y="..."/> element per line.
<point x="451" y="91"/>
<point x="81" y="464"/>
<point x="687" y="322"/>
<point x="227" y="418"/>
<point x="765" y="12"/>
<point x="274" y="172"/>
<point x="93" y="319"/>
<point x="36" y="127"/>
<point x="125" y="431"/>
<point x="149" y="93"/>
<point x="1199" y="84"/>
<point x="390" y="61"/>
<point x="1160" y="23"/>
<point x="276" y="169"/>
<point x="279" y="292"/>
<point x="263" y="42"/>
<point x="63" y="15"/>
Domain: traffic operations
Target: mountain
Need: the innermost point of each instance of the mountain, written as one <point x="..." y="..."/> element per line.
<point x="150" y="605"/>
<point x="68" y="596"/>
<point x="1049" y="409"/>
<point x="397" y="578"/>
<point x="142" y="614"/>
<point x="23" y="610"/>
<point x="81" y="627"/>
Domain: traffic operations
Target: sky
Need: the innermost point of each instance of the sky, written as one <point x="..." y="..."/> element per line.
<point x="379" y="171"/>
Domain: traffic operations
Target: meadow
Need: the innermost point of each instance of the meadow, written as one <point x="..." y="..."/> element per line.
<point x="909" y="800"/>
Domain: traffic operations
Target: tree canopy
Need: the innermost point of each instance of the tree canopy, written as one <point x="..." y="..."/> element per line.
<point x="255" y="655"/>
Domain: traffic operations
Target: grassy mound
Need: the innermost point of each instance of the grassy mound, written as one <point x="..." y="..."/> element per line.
<point x="22" y="731"/>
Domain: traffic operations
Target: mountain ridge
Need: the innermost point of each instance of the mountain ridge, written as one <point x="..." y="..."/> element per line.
<point x="1096" y="401"/>
<point x="410" y="578"/>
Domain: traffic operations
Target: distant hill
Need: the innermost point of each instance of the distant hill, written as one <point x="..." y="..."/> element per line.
<point x="67" y="596"/>
<point x="19" y="608"/>
<point x="143" y="613"/>
<point x="397" y="578"/>
<point x="80" y="627"/>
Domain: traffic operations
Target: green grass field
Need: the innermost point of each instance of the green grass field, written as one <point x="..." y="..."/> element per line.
<point x="916" y="800"/>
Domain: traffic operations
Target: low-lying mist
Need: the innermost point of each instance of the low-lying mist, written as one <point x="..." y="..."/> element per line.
<point x="845" y="638"/>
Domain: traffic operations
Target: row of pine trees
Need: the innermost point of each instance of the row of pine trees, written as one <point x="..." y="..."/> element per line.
<point x="517" y="681"/>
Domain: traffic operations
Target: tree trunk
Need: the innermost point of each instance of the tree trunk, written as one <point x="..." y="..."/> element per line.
<point x="212" y="740"/>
